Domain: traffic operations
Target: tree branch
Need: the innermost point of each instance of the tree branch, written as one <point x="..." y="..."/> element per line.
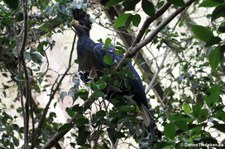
<point x="27" y="84"/>
<point x="159" y="67"/>
<point x="133" y="50"/>
<point x="53" y="92"/>
<point x="58" y="135"/>
<point x="148" y="21"/>
<point x="111" y="13"/>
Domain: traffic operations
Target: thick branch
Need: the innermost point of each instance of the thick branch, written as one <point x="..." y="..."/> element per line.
<point x="148" y="21"/>
<point x="111" y="13"/>
<point x="133" y="50"/>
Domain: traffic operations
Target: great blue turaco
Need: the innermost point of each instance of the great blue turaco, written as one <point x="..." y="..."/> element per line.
<point x="90" y="55"/>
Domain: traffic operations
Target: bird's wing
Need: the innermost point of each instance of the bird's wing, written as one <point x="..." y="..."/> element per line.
<point x="100" y="51"/>
<point x="134" y="81"/>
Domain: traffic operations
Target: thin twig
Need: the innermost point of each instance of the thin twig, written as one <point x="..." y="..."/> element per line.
<point x="113" y="30"/>
<point x="32" y="121"/>
<point x="153" y="56"/>
<point x="119" y="127"/>
<point x="152" y="83"/>
<point x="159" y="67"/>
<point x="47" y="67"/>
<point x="27" y="86"/>
<point x="95" y="142"/>
<point x="58" y="135"/>
<point x="54" y="91"/>
<point x="20" y="94"/>
<point x="133" y="50"/>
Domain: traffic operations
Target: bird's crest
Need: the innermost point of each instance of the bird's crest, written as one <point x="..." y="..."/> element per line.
<point x="82" y="18"/>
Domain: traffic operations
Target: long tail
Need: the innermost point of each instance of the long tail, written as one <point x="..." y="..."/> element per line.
<point x="149" y="122"/>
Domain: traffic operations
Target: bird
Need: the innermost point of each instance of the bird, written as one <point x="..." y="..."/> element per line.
<point x="90" y="56"/>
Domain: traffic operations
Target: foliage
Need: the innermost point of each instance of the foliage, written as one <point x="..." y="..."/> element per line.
<point x="192" y="78"/>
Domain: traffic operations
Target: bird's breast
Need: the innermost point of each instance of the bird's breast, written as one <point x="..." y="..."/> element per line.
<point x="87" y="61"/>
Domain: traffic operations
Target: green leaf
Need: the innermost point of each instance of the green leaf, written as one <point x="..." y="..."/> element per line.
<point x="196" y="130"/>
<point x="100" y="113"/>
<point x="220" y="115"/>
<point x="112" y="2"/>
<point x="177" y="2"/>
<point x="114" y="134"/>
<point x="136" y="19"/>
<point x="97" y="94"/>
<point x="170" y="131"/>
<point x="219" y="127"/>
<point x="219" y="1"/>
<point x="148" y="7"/>
<point x="214" y="58"/>
<point x="81" y="120"/>
<point x="40" y="47"/>
<point x="122" y="20"/>
<point x="45" y="27"/>
<point x="219" y="11"/>
<point x="196" y="110"/>
<point x="19" y="17"/>
<point x="214" y="89"/>
<point x="37" y="87"/>
<point x="128" y="108"/>
<point x="214" y="40"/>
<point x="16" y="127"/>
<point x="83" y="134"/>
<point x="203" y="33"/>
<point x="99" y="85"/>
<point x="181" y="125"/>
<point x="65" y="127"/>
<point x="70" y="112"/>
<point x="179" y="117"/>
<point x="130" y="4"/>
<point x="203" y="115"/>
<point x="186" y="108"/>
<point x="107" y="59"/>
<point x="208" y="3"/>
<point x="107" y="43"/>
<point x="15" y="141"/>
<point x="36" y="57"/>
<point x="222" y="27"/>
<point x="214" y="95"/>
<point x="83" y="94"/>
<point x="12" y="4"/>
<point x="77" y="108"/>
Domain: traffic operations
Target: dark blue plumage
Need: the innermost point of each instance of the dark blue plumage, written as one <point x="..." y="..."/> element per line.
<point x="91" y="55"/>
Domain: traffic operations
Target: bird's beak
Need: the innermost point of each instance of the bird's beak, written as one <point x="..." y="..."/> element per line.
<point x="75" y="23"/>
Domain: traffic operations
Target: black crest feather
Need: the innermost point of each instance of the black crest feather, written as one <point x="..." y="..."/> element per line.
<point x="82" y="16"/>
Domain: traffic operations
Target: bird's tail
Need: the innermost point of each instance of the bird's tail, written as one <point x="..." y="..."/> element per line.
<point x="149" y="122"/>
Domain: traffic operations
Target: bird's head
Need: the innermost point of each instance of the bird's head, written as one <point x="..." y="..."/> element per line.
<point x="81" y="22"/>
